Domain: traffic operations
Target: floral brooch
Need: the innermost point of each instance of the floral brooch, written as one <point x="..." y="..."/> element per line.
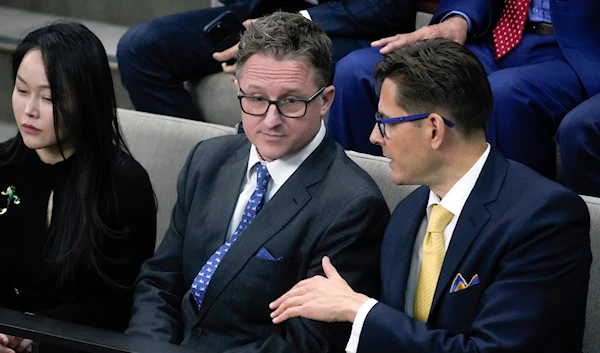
<point x="12" y="198"/>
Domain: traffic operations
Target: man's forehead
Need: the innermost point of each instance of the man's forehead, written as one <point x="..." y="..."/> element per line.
<point x="388" y="104"/>
<point x="269" y="68"/>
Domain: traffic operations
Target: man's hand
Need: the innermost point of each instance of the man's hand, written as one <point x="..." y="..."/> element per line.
<point x="454" y="28"/>
<point x="328" y="299"/>
<point x="11" y="344"/>
<point x="230" y="53"/>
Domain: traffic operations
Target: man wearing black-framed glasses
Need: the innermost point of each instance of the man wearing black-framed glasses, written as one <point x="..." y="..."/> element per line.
<point x="257" y="211"/>
<point x="486" y="246"/>
<point x="294" y="108"/>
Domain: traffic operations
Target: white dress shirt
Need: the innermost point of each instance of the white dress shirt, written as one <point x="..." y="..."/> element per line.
<point x="280" y="170"/>
<point x="305" y="14"/>
<point x="454" y="201"/>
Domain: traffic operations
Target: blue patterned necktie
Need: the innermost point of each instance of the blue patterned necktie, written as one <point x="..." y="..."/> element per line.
<point x="254" y="205"/>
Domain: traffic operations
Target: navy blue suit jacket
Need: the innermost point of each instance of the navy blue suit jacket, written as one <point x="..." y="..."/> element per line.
<point x="526" y="237"/>
<point x="576" y="27"/>
<point x="347" y="18"/>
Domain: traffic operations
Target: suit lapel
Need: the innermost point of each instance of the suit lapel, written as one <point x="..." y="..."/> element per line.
<point x="211" y="234"/>
<point x="226" y="193"/>
<point x="285" y="205"/>
<point x="473" y="218"/>
<point x="407" y="222"/>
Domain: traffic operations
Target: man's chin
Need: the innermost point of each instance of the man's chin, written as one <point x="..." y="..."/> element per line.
<point x="269" y="154"/>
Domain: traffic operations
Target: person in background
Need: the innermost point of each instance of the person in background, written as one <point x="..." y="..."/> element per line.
<point x="484" y="256"/>
<point x="77" y="211"/>
<point x="542" y="59"/>
<point x="579" y="137"/>
<point x="156" y="57"/>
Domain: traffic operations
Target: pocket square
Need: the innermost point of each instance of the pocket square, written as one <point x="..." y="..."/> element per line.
<point x="459" y="283"/>
<point x="264" y="254"/>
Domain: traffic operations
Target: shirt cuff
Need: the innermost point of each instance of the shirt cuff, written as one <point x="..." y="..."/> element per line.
<point x="357" y="326"/>
<point x="305" y="14"/>
<point x="461" y="14"/>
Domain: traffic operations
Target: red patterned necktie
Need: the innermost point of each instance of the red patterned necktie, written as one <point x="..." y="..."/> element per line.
<point x="509" y="30"/>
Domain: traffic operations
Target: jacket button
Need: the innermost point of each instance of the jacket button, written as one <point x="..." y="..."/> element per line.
<point x="198" y="331"/>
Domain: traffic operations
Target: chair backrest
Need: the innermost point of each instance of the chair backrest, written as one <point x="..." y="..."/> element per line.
<point x="378" y="168"/>
<point x="591" y="338"/>
<point x="161" y="144"/>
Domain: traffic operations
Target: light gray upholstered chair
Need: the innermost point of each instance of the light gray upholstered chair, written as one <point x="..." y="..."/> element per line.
<point x="591" y="338"/>
<point x="161" y="144"/>
<point x="379" y="170"/>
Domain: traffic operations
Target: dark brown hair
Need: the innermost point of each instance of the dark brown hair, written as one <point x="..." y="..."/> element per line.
<point x="441" y="76"/>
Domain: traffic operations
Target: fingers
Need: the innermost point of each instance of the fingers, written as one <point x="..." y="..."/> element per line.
<point x="328" y="268"/>
<point x="287" y="309"/>
<point x="226" y="54"/>
<point x="228" y="69"/>
<point x="297" y="290"/>
<point x="401" y="41"/>
<point x="383" y="41"/>
<point x="248" y="22"/>
<point x="288" y="314"/>
<point x="4" y="339"/>
<point x="392" y="43"/>
<point x="14" y="342"/>
<point x="24" y="346"/>
<point x="4" y="342"/>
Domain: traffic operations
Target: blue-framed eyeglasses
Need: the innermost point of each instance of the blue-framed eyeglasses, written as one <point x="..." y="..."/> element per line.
<point x="381" y="121"/>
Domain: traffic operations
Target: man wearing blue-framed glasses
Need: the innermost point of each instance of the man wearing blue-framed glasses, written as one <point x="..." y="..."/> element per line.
<point x="484" y="256"/>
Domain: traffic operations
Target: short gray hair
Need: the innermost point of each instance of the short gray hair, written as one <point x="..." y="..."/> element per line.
<point x="288" y="36"/>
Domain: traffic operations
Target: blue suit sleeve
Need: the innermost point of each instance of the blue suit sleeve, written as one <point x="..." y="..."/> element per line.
<point x="483" y="14"/>
<point x="464" y="15"/>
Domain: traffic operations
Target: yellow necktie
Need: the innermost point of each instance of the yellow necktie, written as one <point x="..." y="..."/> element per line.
<point x="432" y="260"/>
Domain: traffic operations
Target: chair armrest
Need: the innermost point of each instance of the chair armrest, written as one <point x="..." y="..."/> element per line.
<point x="80" y="337"/>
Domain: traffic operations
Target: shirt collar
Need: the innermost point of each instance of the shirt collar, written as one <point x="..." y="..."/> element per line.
<point x="459" y="193"/>
<point x="281" y="169"/>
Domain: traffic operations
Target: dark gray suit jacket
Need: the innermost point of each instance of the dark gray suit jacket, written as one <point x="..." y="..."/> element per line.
<point x="329" y="206"/>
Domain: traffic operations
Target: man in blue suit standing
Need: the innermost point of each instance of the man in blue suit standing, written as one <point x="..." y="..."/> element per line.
<point x="540" y="69"/>
<point x="157" y="56"/>
<point x="487" y="256"/>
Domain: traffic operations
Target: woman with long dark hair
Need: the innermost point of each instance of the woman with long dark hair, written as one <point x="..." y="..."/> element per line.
<point x="77" y="212"/>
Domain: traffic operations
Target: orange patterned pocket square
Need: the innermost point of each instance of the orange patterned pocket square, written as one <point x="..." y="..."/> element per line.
<point x="459" y="283"/>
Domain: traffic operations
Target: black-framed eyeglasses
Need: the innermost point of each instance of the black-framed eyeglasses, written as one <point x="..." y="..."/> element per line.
<point x="381" y="121"/>
<point x="289" y="107"/>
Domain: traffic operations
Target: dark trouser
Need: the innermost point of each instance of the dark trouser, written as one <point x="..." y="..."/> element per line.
<point x="156" y="57"/>
<point x="579" y="141"/>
